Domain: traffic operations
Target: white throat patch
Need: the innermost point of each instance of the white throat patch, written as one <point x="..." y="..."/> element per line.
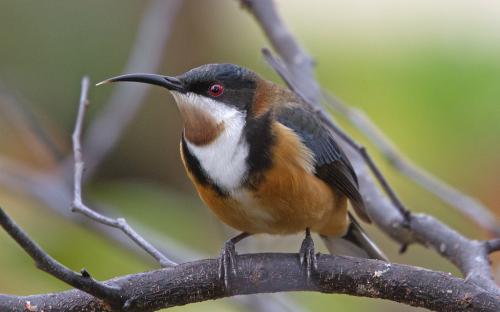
<point x="223" y="159"/>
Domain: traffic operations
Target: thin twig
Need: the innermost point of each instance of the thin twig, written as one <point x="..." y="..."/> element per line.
<point x="80" y="207"/>
<point x="453" y="197"/>
<point x="48" y="264"/>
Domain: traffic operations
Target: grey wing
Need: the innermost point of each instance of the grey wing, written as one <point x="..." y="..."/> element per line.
<point x="331" y="164"/>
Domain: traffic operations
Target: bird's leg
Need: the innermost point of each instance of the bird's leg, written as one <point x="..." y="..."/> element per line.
<point x="227" y="260"/>
<point x="307" y="254"/>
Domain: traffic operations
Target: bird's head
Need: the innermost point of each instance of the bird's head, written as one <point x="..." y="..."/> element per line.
<point x="210" y="97"/>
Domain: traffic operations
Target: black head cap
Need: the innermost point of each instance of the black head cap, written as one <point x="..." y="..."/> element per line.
<point x="228" y="83"/>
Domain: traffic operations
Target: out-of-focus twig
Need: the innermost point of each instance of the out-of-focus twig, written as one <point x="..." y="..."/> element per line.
<point x="80" y="207"/>
<point x="453" y="197"/>
<point x="18" y="113"/>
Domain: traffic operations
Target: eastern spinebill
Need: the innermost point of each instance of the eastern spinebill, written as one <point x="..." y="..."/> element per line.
<point x="263" y="162"/>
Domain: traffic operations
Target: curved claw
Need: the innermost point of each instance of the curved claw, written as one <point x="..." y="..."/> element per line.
<point x="307" y="255"/>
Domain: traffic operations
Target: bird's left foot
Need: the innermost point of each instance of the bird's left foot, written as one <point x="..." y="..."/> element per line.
<point x="307" y="255"/>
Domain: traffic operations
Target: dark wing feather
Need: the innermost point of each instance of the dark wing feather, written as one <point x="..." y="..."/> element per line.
<point x="332" y="165"/>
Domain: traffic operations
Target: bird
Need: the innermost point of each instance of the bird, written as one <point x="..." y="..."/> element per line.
<point x="263" y="162"/>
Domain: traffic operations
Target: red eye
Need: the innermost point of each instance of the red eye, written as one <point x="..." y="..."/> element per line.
<point x="216" y="89"/>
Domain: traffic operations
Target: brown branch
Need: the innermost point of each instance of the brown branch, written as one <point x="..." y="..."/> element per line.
<point x="80" y="207"/>
<point x="471" y="257"/>
<point x="258" y="273"/>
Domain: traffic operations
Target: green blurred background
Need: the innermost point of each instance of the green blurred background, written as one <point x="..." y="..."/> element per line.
<point x="427" y="72"/>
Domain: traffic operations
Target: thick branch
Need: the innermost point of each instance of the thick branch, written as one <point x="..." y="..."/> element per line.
<point x="257" y="273"/>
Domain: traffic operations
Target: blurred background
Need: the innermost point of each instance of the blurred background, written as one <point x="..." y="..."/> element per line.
<point x="427" y="72"/>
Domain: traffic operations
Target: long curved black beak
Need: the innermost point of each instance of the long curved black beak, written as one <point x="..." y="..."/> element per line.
<point x="171" y="83"/>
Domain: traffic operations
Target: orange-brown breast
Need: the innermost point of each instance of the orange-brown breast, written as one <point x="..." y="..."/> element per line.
<point x="199" y="127"/>
<point x="287" y="199"/>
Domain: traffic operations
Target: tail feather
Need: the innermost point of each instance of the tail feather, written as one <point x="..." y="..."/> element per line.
<point x="354" y="243"/>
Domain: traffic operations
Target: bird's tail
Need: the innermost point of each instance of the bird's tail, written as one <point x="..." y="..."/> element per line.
<point x="354" y="243"/>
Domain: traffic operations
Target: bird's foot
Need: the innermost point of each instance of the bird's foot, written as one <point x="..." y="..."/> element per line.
<point x="227" y="262"/>
<point x="307" y="255"/>
<point x="227" y="259"/>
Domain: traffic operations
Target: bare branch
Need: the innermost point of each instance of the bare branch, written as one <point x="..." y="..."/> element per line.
<point x="80" y="207"/>
<point x="48" y="264"/>
<point x="464" y="203"/>
<point x="258" y="273"/>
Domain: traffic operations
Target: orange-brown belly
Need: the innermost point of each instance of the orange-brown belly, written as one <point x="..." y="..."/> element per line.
<point x="281" y="205"/>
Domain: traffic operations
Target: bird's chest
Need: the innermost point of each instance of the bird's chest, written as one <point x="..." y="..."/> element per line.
<point x="286" y="198"/>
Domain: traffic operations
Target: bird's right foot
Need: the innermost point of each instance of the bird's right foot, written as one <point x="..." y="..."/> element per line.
<point x="227" y="259"/>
